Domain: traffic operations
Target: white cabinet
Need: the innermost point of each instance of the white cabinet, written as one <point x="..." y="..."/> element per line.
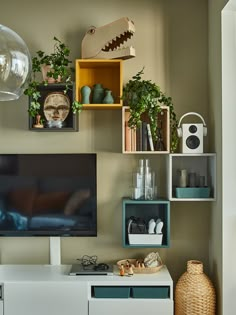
<point x="130" y="306"/>
<point x="151" y="294"/>
<point x="47" y="298"/>
<point x="202" y="166"/>
<point x="49" y="290"/>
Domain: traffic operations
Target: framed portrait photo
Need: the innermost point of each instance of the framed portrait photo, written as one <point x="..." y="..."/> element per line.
<point x="55" y="112"/>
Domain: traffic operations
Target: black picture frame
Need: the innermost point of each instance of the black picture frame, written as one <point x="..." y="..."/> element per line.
<point x="71" y="122"/>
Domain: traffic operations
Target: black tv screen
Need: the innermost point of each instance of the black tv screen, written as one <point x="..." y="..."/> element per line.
<point x="48" y="195"/>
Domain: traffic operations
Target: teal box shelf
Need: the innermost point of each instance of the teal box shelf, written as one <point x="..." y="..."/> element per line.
<point x="112" y="292"/>
<point x="146" y="210"/>
<point x="160" y="292"/>
<point x="192" y="192"/>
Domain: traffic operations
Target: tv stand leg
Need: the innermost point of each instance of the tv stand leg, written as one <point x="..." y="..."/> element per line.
<point x="55" y="250"/>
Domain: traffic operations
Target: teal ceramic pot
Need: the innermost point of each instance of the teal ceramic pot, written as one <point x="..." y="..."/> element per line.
<point x="108" y="99"/>
<point x="85" y="94"/>
<point x="98" y="93"/>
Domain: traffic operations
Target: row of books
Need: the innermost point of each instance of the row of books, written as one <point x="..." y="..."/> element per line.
<point x="139" y="139"/>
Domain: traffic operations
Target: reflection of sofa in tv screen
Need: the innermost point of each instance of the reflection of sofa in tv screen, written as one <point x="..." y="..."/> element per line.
<point x="46" y="204"/>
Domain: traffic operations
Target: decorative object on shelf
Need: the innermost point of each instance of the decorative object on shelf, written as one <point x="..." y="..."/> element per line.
<point x="159" y="226"/>
<point x="98" y="93"/>
<point x="193" y="192"/>
<point x="192" y="179"/>
<point x="155" y="227"/>
<point x="38" y="122"/>
<point x="150" y="264"/>
<point x="192" y="134"/>
<point x="160" y="146"/>
<point x="85" y="93"/>
<point x="104" y="42"/>
<point x="194" y="292"/>
<point x="122" y="270"/>
<point x="191" y="185"/>
<point x="136" y="226"/>
<point x="154" y="239"/>
<point x="15" y="64"/>
<point x="143" y="96"/>
<point x="183" y="178"/>
<point x="56" y="69"/>
<point x="144" y="181"/>
<point x="151" y="226"/>
<point x="130" y="271"/>
<point x="108" y="98"/>
<point x="152" y="260"/>
<point x="55" y="108"/>
<point x="201" y="181"/>
<point x="140" y="233"/>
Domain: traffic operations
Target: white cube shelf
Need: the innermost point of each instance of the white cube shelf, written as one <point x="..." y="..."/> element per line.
<point x="202" y="164"/>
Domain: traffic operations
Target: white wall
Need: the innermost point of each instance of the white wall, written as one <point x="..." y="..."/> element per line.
<point x="228" y="155"/>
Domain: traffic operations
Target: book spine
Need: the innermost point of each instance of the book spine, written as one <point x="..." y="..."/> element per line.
<point x="127" y="133"/>
<point x="133" y="139"/>
<point x="144" y="136"/>
<point x="150" y="137"/>
<point x="139" y="138"/>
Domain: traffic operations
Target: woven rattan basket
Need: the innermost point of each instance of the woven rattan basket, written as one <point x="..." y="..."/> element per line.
<point x="194" y="292"/>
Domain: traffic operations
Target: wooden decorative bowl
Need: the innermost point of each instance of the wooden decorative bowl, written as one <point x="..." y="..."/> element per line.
<point x="133" y="262"/>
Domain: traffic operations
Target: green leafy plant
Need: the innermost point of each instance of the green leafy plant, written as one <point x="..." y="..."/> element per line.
<point x="76" y="107"/>
<point x="59" y="70"/>
<point x="144" y="96"/>
<point x="58" y="61"/>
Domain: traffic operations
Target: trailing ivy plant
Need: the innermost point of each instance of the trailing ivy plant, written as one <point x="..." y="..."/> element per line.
<point x="59" y="63"/>
<point x="144" y="96"/>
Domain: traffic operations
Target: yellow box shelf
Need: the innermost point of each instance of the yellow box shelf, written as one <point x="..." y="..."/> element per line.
<point x="107" y="72"/>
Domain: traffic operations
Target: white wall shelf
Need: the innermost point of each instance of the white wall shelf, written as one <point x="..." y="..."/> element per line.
<point x="202" y="164"/>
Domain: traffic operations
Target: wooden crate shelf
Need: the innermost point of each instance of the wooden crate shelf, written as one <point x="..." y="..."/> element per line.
<point x="131" y="142"/>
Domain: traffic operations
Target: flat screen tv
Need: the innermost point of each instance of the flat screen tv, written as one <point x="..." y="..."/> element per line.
<point x="48" y="195"/>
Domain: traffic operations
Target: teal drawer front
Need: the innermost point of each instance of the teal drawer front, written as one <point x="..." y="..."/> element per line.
<point x="112" y="292"/>
<point x="152" y="292"/>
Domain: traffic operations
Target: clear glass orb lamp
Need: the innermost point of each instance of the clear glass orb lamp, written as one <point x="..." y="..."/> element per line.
<point x="15" y="65"/>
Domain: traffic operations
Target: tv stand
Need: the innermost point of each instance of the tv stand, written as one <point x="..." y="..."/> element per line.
<point x="55" y="250"/>
<point x="47" y="290"/>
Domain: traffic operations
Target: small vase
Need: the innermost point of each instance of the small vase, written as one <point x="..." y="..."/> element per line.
<point x="98" y="93"/>
<point x="108" y="99"/>
<point x="183" y="178"/>
<point x="194" y="292"/>
<point x="85" y="93"/>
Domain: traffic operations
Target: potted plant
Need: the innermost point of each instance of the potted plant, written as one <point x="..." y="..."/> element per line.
<point x="144" y="96"/>
<point x="57" y="65"/>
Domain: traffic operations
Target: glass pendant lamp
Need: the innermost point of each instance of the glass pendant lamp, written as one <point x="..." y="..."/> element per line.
<point x="15" y="65"/>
